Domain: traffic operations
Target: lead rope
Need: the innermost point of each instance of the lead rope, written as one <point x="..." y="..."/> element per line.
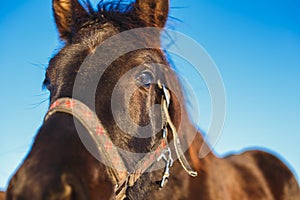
<point x="168" y="122"/>
<point x="183" y="161"/>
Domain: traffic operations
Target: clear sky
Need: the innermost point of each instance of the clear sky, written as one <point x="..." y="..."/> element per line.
<point x="255" y="44"/>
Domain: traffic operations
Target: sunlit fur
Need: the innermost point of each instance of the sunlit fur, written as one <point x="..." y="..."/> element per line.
<point x="58" y="165"/>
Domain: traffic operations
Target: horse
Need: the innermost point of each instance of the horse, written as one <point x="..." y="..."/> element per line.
<point x="81" y="151"/>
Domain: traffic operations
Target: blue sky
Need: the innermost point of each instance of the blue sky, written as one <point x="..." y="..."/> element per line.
<point x="255" y="44"/>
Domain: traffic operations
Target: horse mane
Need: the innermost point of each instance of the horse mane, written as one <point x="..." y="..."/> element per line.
<point x="119" y="12"/>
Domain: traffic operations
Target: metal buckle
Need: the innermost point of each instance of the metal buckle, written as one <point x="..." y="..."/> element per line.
<point x="167" y="157"/>
<point x="120" y="190"/>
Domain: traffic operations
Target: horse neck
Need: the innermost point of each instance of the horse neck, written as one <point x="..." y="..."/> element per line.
<point x="200" y="153"/>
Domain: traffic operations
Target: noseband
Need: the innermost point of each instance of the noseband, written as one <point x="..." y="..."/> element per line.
<point x="121" y="178"/>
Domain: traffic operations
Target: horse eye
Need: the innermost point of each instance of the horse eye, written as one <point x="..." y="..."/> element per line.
<point x="47" y="84"/>
<point x="145" y="79"/>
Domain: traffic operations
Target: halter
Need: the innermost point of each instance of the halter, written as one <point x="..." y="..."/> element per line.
<point x="109" y="152"/>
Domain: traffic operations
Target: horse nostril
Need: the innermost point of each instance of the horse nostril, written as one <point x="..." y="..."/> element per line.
<point x="67" y="193"/>
<point x="73" y="189"/>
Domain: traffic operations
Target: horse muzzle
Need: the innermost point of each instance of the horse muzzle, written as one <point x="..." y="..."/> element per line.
<point x="67" y="188"/>
<point x="58" y="167"/>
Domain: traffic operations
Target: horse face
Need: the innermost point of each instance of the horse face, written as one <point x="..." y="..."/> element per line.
<point x="58" y="165"/>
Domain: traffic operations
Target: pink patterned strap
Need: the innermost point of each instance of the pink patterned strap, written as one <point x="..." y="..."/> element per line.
<point x="146" y="162"/>
<point x="108" y="151"/>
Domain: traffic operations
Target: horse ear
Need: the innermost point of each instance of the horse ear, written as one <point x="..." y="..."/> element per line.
<point x="66" y="14"/>
<point x="153" y="12"/>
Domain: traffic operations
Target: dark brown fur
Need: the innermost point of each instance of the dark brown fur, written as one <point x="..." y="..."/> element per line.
<point x="58" y="165"/>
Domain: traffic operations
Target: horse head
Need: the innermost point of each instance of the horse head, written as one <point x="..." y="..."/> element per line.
<point x="112" y="70"/>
